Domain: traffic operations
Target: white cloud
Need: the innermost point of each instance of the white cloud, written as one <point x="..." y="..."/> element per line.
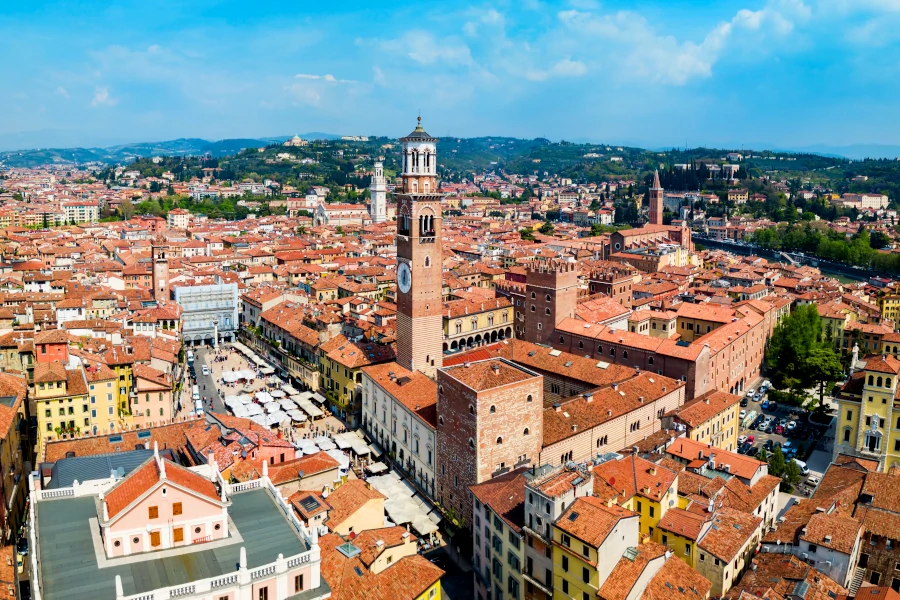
<point x="632" y="48"/>
<point x="63" y="92"/>
<point x="490" y="17"/>
<point x="563" y="68"/>
<point x="425" y="49"/>
<point x="326" y="77"/>
<point x="103" y="98"/>
<point x="378" y="75"/>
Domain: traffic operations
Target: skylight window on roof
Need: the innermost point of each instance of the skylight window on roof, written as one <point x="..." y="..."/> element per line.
<point x="348" y="550"/>
<point x="573" y="516"/>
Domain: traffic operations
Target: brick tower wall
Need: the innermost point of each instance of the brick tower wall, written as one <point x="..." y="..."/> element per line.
<point x="458" y="465"/>
<point x="559" y="281"/>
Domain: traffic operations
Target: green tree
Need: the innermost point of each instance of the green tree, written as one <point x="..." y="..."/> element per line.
<point x="763" y="456"/>
<point x="547" y="228"/>
<point x="792" y="474"/>
<point x="126" y="209"/>
<point x="823" y="366"/>
<point x="799" y="354"/>
<point x="776" y="462"/>
<point x="527" y="234"/>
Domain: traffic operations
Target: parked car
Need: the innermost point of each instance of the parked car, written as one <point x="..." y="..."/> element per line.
<point x="743" y="414"/>
<point x="751" y="439"/>
<point x="782" y="422"/>
<point x="792" y="425"/>
<point x="22" y="546"/>
<point x="813" y="480"/>
<point x="757" y="398"/>
<point x="205" y="370"/>
<point x="779" y="429"/>
<point x="773" y="405"/>
<point x="750" y="392"/>
<point x="753" y="451"/>
<point x="769" y="444"/>
<point x="741" y="440"/>
<point x="765" y="405"/>
<point x="744" y="402"/>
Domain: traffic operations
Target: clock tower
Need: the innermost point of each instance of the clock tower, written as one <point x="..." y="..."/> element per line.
<point x="419" y="326"/>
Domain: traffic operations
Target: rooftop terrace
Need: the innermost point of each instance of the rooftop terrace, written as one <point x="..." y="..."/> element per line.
<point x="69" y="568"/>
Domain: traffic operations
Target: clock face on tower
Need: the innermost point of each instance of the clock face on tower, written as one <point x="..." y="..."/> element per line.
<point x="404" y="278"/>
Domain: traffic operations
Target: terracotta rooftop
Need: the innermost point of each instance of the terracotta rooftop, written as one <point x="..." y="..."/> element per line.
<point x="145" y="477"/>
<point x="488" y="374"/>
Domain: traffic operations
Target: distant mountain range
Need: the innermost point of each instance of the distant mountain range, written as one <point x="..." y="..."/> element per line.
<point x="125" y="153"/>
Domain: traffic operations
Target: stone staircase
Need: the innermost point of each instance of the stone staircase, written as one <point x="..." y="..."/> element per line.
<point x="857" y="580"/>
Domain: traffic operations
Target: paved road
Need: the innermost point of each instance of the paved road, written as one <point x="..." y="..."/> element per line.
<point x="204" y="380"/>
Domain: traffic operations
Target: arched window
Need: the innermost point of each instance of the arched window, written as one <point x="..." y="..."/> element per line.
<point x="548" y="297"/>
<point x="493" y="409"/>
<point x="532" y="308"/>
<point x="471" y="410"/>
<point x="533" y="296"/>
<point x="528" y="399"/>
<point x="547" y="311"/>
<point x="525" y="432"/>
<point x="612" y="351"/>
<point x="624" y="353"/>
<point x="427" y="261"/>
<point x="499" y="440"/>
<point x="471" y="444"/>
<point x="887" y="382"/>
<point x="871" y="380"/>
<point x="650" y="361"/>
<point x="599" y="349"/>
<point x="440" y="420"/>
<point x="581" y="345"/>
<point x="562" y="340"/>
<point x="879" y="382"/>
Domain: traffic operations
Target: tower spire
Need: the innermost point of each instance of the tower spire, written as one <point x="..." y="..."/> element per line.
<point x="656" y="185"/>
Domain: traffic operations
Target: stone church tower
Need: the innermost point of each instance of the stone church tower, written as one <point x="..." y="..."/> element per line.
<point x="656" y="201"/>
<point x="159" y="251"/>
<point x="419" y="326"/>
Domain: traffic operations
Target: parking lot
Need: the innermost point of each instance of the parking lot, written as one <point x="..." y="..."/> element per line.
<point x="804" y="435"/>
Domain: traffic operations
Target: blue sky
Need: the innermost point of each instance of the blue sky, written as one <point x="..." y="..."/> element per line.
<point x="729" y="72"/>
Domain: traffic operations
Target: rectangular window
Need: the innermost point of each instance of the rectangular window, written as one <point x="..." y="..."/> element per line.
<point x="178" y="534"/>
<point x="264" y="593"/>
<point x="651" y="510"/>
<point x="154" y="538"/>
<point x="565" y="586"/>
<point x="154" y="512"/>
<point x="585" y="575"/>
<point x="176" y="508"/>
<point x="565" y="563"/>
<point x="298" y="583"/>
<point x="566" y="541"/>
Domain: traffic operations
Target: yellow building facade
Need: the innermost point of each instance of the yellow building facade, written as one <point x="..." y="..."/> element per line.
<point x="869" y="413"/>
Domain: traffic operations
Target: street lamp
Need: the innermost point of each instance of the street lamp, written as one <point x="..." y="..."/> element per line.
<point x="216" y="333"/>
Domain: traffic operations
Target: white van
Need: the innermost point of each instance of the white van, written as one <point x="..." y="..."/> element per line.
<point x="198" y="407"/>
<point x="804" y="470"/>
<point x="196" y="394"/>
<point x="190" y="356"/>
